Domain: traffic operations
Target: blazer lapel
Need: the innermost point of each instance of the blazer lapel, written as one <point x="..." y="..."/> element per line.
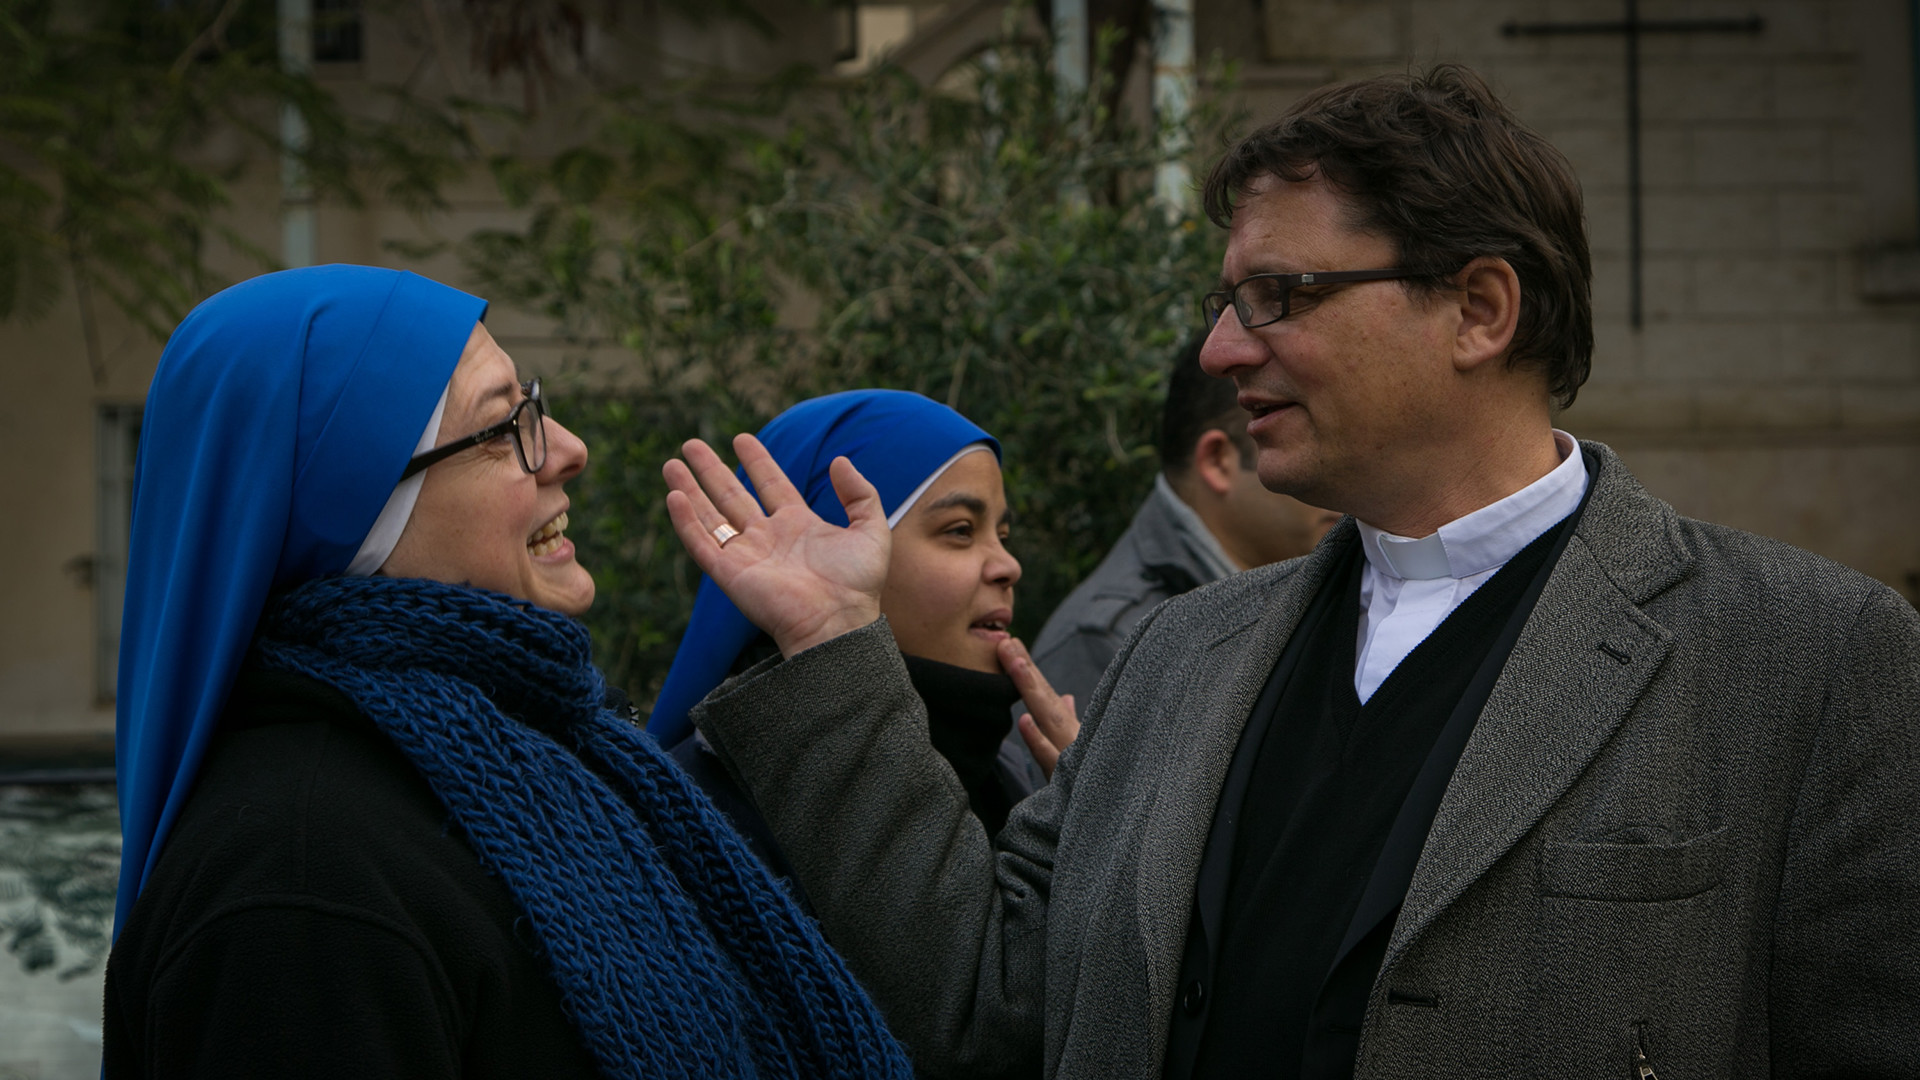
<point x="1222" y="684"/>
<point x="1584" y="658"/>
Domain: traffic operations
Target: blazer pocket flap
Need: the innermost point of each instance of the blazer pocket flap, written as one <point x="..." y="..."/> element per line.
<point x="1634" y="872"/>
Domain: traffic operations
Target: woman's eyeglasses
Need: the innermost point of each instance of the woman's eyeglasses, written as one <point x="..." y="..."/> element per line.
<point x="527" y="423"/>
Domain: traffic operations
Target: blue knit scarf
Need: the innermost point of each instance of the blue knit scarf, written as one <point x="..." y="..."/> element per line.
<point x="675" y="954"/>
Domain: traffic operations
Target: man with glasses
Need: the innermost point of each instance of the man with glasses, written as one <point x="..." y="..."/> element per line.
<point x="1520" y="773"/>
<point x="1207" y="517"/>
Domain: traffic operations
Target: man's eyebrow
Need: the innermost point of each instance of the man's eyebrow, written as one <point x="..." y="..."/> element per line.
<point x="1223" y="285"/>
<point x="959" y="498"/>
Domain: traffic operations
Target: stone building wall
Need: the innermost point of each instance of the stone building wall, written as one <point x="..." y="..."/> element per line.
<point x="1775" y="385"/>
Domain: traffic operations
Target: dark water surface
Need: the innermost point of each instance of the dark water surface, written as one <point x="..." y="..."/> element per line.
<point x="59" y="863"/>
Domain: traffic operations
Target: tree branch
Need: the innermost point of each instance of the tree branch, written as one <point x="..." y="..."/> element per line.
<point x="214" y="36"/>
<point x="89" y="326"/>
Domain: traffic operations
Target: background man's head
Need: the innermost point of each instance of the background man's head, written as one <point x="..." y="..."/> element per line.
<point x="1363" y="386"/>
<point x="1209" y="461"/>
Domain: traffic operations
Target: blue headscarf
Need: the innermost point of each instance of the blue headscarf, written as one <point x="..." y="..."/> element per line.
<point x="896" y="439"/>
<point x="281" y="416"/>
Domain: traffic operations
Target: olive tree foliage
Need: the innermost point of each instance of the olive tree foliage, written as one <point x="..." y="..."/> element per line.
<point x="984" y="244"/>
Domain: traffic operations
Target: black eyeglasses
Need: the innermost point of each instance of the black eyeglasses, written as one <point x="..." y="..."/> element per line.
<point x="527" y="423"/>
<point x="1260" y="299"/>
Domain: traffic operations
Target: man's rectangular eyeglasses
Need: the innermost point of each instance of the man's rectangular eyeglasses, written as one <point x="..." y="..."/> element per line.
<point x="1260" y="299"/>
<point x="527" y="423"/>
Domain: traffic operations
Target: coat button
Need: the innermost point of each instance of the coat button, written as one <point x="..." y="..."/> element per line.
<point x="1194" y="997"/>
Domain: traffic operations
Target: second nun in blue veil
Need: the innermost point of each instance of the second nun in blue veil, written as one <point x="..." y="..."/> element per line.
<point x="949" y="594"/>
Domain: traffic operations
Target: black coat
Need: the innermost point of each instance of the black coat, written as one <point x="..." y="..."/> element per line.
<point x="315" y="913"/>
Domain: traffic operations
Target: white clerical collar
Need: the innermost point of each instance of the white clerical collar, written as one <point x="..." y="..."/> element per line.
<point x="1485" y="539"/>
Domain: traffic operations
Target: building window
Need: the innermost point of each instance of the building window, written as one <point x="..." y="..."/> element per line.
<point x="336" y="31"/>
<point x="871" y="31"/>
<point x="846" y="32"/>
<point x="116" y="441"/>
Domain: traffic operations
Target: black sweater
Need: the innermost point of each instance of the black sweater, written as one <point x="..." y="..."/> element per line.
<point x="314" y="913"/>
<point x="1329" y="779"/>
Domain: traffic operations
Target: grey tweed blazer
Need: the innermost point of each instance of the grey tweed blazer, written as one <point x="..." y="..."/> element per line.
<point x="1682" y="834"/>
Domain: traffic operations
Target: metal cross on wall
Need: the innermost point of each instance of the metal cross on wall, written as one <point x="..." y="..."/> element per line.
<point x="1631" y="28"/>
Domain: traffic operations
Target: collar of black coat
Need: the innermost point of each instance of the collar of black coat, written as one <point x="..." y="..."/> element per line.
<point x="261" y="697"/>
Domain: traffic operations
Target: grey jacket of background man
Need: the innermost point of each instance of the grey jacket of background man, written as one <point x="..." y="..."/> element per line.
<point x="1157" y="557"/>
<point x="1682" y="825"/>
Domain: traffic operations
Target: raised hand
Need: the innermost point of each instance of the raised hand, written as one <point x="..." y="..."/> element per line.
<point x="793" y="575"/>
<point x="1051" y="721"/>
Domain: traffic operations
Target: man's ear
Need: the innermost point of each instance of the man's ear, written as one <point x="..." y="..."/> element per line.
<point x="1489" y="304"/>
<point x="1215" y="460"/>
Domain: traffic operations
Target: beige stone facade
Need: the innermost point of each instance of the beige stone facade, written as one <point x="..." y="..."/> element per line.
<point x="1774" y="386"/>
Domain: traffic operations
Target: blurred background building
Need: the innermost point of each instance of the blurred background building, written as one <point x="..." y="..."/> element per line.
<point x="1758" y="361"/>
<point x="1752" y="194"/>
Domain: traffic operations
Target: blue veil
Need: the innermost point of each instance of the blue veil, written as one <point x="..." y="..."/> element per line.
<point x="896" y="439"/>
<point x="278" y="422"/>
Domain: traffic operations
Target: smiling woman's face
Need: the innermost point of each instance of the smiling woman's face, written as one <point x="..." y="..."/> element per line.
<point x="949" y="593"/>
<point x="483" y="520"/>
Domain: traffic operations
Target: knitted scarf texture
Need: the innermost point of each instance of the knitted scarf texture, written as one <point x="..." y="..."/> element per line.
<point x="674" y="952"/>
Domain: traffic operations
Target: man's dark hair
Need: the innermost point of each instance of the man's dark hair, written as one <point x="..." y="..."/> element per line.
<point x="1196" y="404"/>
<point x="1437" y="165"/>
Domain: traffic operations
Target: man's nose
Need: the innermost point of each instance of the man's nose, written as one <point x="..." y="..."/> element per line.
<point x="1230" y="347"/>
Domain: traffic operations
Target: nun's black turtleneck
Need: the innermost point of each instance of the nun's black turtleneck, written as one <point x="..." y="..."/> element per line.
<point x="968" y="714"/>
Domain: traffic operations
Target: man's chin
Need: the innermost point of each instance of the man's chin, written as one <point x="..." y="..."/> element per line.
<point x="1284" y="473"/>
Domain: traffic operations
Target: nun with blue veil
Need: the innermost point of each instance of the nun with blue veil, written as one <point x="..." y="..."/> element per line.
<point x="381" y="815"/>
<point x="948" y="598"/>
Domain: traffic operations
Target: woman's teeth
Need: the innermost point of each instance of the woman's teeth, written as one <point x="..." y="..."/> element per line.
<point x="548" y="539"/>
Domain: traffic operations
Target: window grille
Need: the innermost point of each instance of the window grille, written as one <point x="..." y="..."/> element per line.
<point x="336" y="31"/>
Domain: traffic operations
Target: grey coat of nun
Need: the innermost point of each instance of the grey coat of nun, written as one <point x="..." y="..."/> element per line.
<point x="1683" y="827"/>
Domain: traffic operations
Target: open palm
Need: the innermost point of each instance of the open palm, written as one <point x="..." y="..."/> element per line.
<point x="799" y="578"/>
